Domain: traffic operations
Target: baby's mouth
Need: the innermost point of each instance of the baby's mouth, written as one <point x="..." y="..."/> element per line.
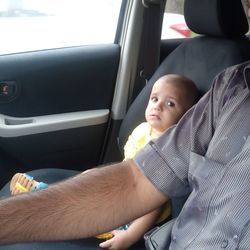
<point x="155" y="116"/>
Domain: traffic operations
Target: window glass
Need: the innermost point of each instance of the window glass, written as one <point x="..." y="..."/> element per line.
<point x="28" y="25"/>
<point x="174" y="25"/>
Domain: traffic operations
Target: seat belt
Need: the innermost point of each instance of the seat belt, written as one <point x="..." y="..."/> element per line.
<point x="150" y="47"/>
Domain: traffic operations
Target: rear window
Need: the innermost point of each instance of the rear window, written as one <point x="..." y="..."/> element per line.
<point x="174" y="25"/>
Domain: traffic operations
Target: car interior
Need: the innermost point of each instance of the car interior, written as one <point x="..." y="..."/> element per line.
<point x="32" y="137"/>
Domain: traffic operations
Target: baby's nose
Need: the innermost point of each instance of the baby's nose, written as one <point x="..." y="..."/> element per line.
<point x="158" y="105"/>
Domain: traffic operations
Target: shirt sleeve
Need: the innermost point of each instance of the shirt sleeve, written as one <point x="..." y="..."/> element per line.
<point x="165" y="161"/>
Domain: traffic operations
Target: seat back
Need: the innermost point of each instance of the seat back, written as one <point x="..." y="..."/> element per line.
<point x="222" y="43"/>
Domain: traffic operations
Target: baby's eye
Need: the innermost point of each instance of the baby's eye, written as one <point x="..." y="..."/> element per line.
<point x="170" y="104"/>
<point x="154" y="99"/>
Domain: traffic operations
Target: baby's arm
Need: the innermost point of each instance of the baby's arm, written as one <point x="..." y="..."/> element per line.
<point x="123" y="239"/>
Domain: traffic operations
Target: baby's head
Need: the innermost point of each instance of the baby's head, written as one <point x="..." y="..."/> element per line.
<point x="171" y="96"/>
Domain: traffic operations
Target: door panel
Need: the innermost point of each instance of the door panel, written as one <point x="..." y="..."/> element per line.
<point x="59" y="81"/>
<point x="54" y="107"/>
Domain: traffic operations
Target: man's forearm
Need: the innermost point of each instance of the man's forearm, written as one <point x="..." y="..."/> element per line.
<point x="83" y="206"/>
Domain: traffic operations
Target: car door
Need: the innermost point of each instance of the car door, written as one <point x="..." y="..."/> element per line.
<point x="56" y="87"/>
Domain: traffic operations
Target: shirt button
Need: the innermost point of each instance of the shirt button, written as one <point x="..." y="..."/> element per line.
<point x="224" y="243"/>
<point x="235" y="237"/>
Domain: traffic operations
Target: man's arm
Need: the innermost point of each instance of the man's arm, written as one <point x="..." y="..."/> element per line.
<point x="86" y="205"/>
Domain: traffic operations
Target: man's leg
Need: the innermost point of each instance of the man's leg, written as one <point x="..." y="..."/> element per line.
<point x="84" y="244"/>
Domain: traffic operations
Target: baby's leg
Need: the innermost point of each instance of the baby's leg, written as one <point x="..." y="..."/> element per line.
<point x="21" y="183"/>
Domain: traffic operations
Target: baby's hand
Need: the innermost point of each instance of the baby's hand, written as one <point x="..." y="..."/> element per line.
<point x="119" y="241"/>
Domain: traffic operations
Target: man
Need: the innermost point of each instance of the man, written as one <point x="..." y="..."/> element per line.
<point x="207" y="155"/>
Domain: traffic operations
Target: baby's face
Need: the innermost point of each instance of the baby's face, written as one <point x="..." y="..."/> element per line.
<point x="167" y="103"/>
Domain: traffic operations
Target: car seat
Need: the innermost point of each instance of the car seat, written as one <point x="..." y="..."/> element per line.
<point x="222" y="43"/>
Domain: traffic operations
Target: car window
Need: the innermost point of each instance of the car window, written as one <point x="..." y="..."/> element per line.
<point x="174" y="25"/>
<point x="28" y="25"/>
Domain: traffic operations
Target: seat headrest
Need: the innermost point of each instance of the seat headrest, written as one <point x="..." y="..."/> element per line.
<point x="225" y="18"/>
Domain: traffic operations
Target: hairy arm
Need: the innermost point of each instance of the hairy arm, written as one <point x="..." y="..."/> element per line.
<point x="86" y="205"/>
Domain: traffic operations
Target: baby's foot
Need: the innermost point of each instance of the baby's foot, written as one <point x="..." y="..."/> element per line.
<point x="21" y="183"/>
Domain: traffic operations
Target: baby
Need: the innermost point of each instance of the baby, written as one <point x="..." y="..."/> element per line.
<point x="171" y="96"/>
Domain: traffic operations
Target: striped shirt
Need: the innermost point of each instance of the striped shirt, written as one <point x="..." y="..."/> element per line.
<point x="207" y="155"/>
